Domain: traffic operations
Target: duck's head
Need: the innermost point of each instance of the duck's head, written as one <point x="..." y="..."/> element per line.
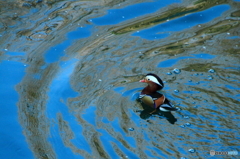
<point x="152" y="79"/>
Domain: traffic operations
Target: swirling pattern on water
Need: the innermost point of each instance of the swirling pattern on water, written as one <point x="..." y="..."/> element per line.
<point x="72" y="69"/>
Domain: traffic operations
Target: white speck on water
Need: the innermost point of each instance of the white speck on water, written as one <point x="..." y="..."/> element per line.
<point x="167" y="20"/>
<point x="90" y="20"/>
<point x="97" y="34"/>
<point x="123" y="17"/>
<point x="187" y="124"/>
<point x="211" y="71"/>
<point x="99" y="80"/>
<point x="192" y="150"/>
<point x="228" y="33"/>
<point x="204" y="47"/>
<point x="210" y="77"/>
<point x="199" y="25"/>
<point x="186" y="117"/>
<point x="66" y="11"/>
<point x="176" y="91"/>
<point x="130" y="129"/>
<point x="182" y="126"/>
<point x="169" y="73"/>
<point x="176" y="70"/>
<point x="6" y="49"/>
<point x="137" y="31"/>
<point x="25" y="65"/>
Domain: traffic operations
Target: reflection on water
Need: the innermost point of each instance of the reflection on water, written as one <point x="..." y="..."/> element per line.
<point x="72" y="69"/>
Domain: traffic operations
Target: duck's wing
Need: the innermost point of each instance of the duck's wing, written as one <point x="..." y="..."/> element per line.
<point x="148" y="100"/>
<point x="167" y="106"/>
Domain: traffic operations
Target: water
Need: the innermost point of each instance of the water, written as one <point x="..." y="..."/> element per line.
<point x="70" y="70"/>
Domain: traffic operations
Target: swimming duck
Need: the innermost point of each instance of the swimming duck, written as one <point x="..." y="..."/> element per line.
<point x="151" y="97"/>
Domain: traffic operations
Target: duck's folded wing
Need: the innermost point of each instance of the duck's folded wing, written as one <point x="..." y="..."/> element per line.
<point x="147" y="100"/>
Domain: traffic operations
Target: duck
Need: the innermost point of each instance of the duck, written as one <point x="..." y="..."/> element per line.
<point x="151" y="97"/>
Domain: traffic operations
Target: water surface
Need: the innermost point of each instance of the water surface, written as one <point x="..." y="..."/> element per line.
<point x="70" y="70"/>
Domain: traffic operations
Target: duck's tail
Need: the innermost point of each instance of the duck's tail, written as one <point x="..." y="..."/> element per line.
<point x="166" y="107"/>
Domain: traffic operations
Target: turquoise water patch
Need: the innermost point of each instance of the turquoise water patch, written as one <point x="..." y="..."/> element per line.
<point x="162" y="30"/>
<point x="171" y="62"/>
<point x="56" y="52"/>
<point x="115" y="16"/>
<point x="13" y="143"/>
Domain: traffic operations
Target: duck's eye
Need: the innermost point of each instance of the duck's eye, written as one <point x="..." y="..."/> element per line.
<point x="148" y="79"/>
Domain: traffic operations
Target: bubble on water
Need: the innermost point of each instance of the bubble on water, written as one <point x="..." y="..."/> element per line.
<point x="210" y="77"/>
<point x="176" y="70"/>
<point x="169" y="73"/>
<point x="186" y="117"/>
<point x="187" y="124"/>
<point x="228" y="33"/>
<point x="6" y="49"/>
<point x="192" y="150"/>
<point x="123" y="17"/>
<point x="199" y="25"/>
<point x="99" y="80"/>
<point x="176" y="91"/>
<point x="182" y="126"/>
<point x="204" y="47"/>
<point x="130" y="129"/>
<point x="211" y="71"/>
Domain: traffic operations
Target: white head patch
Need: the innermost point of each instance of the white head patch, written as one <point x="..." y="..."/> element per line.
<point x="153" y="79"/>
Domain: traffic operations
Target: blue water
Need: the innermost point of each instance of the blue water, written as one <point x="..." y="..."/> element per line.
<point x="55" y="53"/>
<point x="115" y="16"/>
<point x="61" y="89"/>
<point x="13" y="143"/>
<point x="172" y="62"/>
<point x="162" y="30"/>
<point x="109" y="123"/>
